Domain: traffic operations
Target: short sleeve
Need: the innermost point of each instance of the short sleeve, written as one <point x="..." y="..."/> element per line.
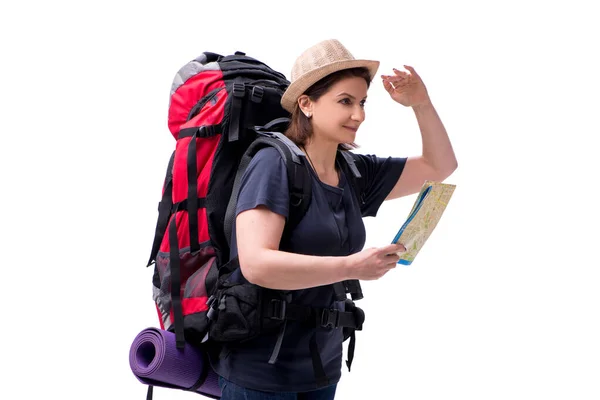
<point x="265" y="183"/>
<point x="379" y="176"/>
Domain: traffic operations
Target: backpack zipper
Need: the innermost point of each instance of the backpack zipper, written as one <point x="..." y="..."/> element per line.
<point x="208" y="97"/>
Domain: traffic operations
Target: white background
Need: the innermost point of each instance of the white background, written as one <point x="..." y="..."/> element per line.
<point x="502" y="303"/>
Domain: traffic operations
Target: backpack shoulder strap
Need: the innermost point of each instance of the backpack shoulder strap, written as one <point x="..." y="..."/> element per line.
<point x="347" y="163"/>
<point x="298" y="178"/>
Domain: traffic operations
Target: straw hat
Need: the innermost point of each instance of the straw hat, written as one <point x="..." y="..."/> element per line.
<point x="316" y="63"/>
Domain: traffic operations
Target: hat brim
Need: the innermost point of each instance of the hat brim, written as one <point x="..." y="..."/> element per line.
<point x="300" y="85"/>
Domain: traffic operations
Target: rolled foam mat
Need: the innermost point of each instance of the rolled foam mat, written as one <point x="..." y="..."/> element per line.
<point x="155" y="360"/>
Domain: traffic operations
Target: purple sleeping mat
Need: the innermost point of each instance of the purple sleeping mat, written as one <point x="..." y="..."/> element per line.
<point x="156" y="361"/>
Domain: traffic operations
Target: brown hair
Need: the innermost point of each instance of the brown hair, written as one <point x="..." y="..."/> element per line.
<point x="300" y="128"/>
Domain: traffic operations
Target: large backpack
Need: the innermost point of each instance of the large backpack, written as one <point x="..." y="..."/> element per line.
<point x="222" y="111"/>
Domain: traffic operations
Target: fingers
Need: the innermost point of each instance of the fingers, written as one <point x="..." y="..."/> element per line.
<point x="411" y="70"/>
<point x="401" y="74"/>
<point x="400" y="78"/>
<point x="388" y="86"/>
<point x="395" y="82"/>
<point x="391" y="262"/>
<point x="382" y="260"/>
<point x="393" y="248"/>
<point x="405" y="74"/>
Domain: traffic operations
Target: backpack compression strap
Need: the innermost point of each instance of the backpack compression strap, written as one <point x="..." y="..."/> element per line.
<point x="164" y="211"/>
<point x="166" y="207"/>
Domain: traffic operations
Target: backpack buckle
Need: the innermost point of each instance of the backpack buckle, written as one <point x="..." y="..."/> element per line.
<point x="239" y="90"/>
<point x="212" y="312"/>
<point x="257" y="94"/>
<point x="330" y="318"/>
<point x="277" y="310"/>
<point x="296" y="199"/>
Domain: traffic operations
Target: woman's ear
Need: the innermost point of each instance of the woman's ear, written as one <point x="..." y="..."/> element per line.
<point x="305" y="105"/>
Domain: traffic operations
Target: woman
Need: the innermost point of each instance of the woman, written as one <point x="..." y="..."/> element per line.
<point x="326" y="98"/>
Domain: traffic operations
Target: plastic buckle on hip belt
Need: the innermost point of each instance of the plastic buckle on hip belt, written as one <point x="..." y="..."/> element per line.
<point x="277" y="309"/>
<point x="330" y="318"/>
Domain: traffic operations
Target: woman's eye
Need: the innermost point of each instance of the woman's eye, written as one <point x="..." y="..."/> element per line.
<point x="345" y="101"/>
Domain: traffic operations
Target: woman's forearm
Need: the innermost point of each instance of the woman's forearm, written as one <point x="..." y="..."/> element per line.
<point x="280" y="270"/>
<point x="437" y="149"/>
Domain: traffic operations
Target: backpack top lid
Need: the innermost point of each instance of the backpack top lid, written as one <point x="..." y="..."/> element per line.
<point x="192" y="82"/>
<point x="202" y="79"/>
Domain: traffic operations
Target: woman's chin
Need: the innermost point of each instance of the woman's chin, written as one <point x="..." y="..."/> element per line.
<point x="346" y="137"/>
<point x="350" y="138"/>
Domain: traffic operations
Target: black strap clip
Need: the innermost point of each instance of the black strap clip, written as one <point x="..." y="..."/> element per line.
<point x="257" y="94"/>
<point x="212" y="311"/>
<point x="278" y="309"/>
<point x="330" y="318"/>
<point x="239" y="90"/>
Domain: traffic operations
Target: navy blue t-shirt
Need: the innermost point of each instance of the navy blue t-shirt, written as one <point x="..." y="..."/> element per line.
<point x="332" y="226"/>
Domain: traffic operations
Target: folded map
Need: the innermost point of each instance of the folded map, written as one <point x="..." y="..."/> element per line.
<point x="423" y="218"/>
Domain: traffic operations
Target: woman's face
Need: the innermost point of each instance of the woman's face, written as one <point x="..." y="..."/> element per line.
<point x="338" y="113"/>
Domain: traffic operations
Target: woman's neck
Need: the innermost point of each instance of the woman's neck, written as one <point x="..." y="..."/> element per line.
<point x="322" y="156"/>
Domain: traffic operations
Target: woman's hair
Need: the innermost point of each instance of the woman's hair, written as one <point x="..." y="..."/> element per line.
<point x="300" y="128"/>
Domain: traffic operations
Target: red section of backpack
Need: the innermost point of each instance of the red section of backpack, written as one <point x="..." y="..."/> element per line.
<point x="186" y="97"/>
<point x="212" y="112"/>
<point x="182" y="101"/>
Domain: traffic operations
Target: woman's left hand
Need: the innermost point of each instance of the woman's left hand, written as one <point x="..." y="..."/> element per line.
<point x="405" y="88"/>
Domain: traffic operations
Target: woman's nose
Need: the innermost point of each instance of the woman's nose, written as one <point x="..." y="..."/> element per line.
<point x="358" y="115"/>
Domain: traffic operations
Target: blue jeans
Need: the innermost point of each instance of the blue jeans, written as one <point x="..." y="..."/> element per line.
<point x="231" y="391"/>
